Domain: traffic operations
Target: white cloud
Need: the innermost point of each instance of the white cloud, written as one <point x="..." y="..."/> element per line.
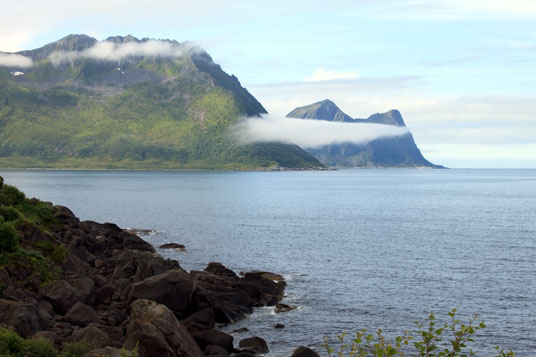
<point x="322" y="74"/>
<point x="311" y="133"/>
<point x="107" y="50"/>
<point x="14" y="60"/>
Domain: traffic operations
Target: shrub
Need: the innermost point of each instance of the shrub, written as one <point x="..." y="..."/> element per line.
<point x="40" y="347"/>
<point x="8" y="237"/>
<point x="75" y="349"/>
<point x="11" y="344"/>
<point x="428" y="341"/>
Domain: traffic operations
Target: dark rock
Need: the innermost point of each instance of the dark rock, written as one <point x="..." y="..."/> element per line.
<point x="218" y="269"/>
<point x="93" y="335"/>
<point x="45" y="309"/>
<point x="85" y="288"/>
<point x="279" y="325"/>
<point x="73" y="264"/>
<point x="212" y="350"/>
<point x="200" y="320"/>
<point x="244" y="354"/>
<point x="256" y="344"/>
<point x="104" y="294"/>
<point x="172" y="288"/>
<point x="60" y="294"/>
<point x="99" y="280"/>
<point x="48" y="335"/>
<point x="105" y="352"/>
<point x="303" y="351"/>
<point x="284" y="308"/>
<point x="208" y="337"/>
<point x="240" y="330"/>
<point x="172" y="246"/>
<point x="137" y="266"/>
<point x="81" y="314"/>
<point x="23" y="317"/>
<point x="158" y="332"/>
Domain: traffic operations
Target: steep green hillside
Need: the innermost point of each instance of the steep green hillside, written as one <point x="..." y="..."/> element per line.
<point x="74" y="109"/>
<point x="398" y="151"/>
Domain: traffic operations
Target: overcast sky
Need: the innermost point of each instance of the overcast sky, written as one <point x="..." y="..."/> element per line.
<point x="462" y="73"/>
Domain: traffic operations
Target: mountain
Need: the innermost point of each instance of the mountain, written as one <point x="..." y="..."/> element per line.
<point x="128" y="103"/>
<point x="398" y="151"/>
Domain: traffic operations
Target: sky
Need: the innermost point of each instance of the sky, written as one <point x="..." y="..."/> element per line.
<point x="462" y="73"/>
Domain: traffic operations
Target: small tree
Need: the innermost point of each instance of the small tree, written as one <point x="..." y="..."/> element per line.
<point x="427" y="342"/>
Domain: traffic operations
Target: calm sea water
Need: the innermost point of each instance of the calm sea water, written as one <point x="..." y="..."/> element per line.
<point x="360" y="248"/>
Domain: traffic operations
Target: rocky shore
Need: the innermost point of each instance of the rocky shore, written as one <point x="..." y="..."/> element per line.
<point x="105" y="286"/>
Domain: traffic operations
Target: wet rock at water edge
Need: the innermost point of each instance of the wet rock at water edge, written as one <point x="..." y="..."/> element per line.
<point x="284" y="308"/>
<point x="172" y="246"/>
<point x="303" y="351"/>
<point x="254" y="344"/>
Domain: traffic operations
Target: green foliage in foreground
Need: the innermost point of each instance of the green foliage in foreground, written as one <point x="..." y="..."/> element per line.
<point x="40" y="258"/>
<point x="427" y="341"/>
<point x="13" y="345"/>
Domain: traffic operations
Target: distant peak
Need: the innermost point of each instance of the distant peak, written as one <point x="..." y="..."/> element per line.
<point x="392" y="117"/>
<point x="121" y="39"/>
<point x="323" y="110"/>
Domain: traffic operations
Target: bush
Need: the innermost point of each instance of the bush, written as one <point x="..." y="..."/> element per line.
<point x="75" y="349"/>
<point x="12" y="345"/>
<point x="427" y="341"/>
<point x="8" y="237"/>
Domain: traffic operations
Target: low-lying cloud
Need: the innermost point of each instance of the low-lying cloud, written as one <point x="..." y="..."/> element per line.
<point x="309" y="133"/>
<point x="14" y="60"/>
<point x="110" y="51"/>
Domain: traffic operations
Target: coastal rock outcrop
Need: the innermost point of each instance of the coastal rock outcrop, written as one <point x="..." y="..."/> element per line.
<point x="98" y="284"/>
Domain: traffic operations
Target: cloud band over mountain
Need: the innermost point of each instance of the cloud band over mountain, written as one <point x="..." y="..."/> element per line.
<point x="311" y="133"/>
<point x="14" y="60"/>
<point x="110" y="51"/>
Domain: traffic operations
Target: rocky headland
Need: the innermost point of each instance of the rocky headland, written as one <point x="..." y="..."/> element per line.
<point x="72" y="281"/>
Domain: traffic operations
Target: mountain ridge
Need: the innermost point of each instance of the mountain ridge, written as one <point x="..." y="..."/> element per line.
<point x="398" y="151"/>
<point x="129" y="103"/>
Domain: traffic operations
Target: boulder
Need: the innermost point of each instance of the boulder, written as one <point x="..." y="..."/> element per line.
<point x="48" y="335"/>
<point x="208" y="337"/>
<point x="255" y="344"/>
<point x="85" y="288"/>
<point x="81" y="314"/>
<point x="93" y="335"/>
<point x="200" y="320"/>
<point x="105" y="352"/>
<point x="157" y="332"/>
<point x="172" y="246"/>
<point x="172" y="289"/>
<point x="303" y="351"/>
<point x="279" y="325"/>
<point x="218" y="269"/>
<point x="212" y="350"/>
<point x="60" y="294"/>
<point x="104" y="294"/>
<point x="284" y="308"/>
<point x="23" y="317"/>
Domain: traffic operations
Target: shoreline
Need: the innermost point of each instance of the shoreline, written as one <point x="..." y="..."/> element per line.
<point x="108" y="288"/>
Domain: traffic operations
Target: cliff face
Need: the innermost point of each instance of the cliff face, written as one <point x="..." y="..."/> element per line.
<point x="128" y="103"/>
<point x="70" y="281"/>
<point x="387" y="152"/>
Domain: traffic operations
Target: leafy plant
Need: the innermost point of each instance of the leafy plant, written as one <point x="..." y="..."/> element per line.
<point x="428" y="341"/>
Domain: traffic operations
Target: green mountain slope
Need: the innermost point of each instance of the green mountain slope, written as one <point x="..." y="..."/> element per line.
<point x="398" y="151"/>
<point x="76" y="109"/>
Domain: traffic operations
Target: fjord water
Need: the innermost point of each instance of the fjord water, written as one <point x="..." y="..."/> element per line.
<point x="359" y="248"/>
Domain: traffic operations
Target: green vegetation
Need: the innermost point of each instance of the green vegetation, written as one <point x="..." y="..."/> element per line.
<point x="427" y="341"/>
<point x="36" y="259"/>
<point x="156" y="113"/>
